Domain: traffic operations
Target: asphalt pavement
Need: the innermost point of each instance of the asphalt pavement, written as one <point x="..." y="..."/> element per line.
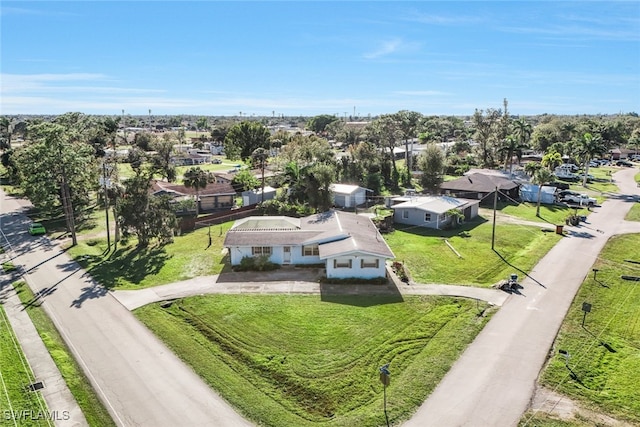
<point x="140" y="381"/>
<point x="494" y="380"/>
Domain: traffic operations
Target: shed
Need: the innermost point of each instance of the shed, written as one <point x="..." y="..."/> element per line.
<point x="348" y="196"/>
<point x="251" y="197"/>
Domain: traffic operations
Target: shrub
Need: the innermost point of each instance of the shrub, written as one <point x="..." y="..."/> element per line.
<point x="260" y="263"/>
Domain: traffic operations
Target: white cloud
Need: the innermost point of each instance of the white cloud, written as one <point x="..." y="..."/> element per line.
<point x="390" y="47"/>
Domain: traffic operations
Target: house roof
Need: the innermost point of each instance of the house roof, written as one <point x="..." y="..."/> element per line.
<point x="336" y="233"/>
<point x="267" y="190"/>
<point x="346" y="188"/>
<point x="212" y="189"/>
<point x="435" y="204"/>
<point x="479" y="182"/>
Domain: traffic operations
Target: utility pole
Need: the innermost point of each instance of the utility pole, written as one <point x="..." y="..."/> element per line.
<point x="106" y="202"/>
<point x="495" y="207"/>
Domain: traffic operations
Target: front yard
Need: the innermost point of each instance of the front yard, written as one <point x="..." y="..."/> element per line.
<point x="304" y="361"/>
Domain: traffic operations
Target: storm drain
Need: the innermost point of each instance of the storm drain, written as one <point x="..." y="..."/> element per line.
<point x="35" y="386"/>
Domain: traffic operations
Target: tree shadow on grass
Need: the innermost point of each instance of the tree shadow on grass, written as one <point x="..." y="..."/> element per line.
<point x="360" y="295"/>
<point x="125" y="264"/>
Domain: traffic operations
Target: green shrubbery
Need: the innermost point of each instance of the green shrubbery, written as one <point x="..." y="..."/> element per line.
<point x="260" y="263"/>
<point x="278" y="207"/>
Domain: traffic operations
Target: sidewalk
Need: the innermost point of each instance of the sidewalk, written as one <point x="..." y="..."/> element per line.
<point x="133" y="299"/>
<point x="61" y="405"/>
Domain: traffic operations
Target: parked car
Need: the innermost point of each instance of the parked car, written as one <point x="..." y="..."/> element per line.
<point x="580" y="199"/>
<point x="635" y="157"/>
<point x="590" y="177"/>
<point x="559" y="185"/>
<point x="624" y="163"/>
<point x="564" y="193"/>
<point x="216" y="161"/>
<point x="594" y="164"/>
<point x="36" y="228"/>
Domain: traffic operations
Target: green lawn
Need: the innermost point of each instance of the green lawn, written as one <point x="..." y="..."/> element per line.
<point x="430" y="260"/>
<point x="15" y="376"/>
<point x="301" y="361"/>
<point x="544" y="420"/>
<point x="634" y="213"/>
<point x="552" y="214"/>
<point x="130" y="267"/>
<point x="605" y="354"/>
<point x="78" y="384"/>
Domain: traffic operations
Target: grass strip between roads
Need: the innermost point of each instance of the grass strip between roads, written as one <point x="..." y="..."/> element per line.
<point x="286" y="360"/>
<point x="603" y="369"/>
<point x="78" y="384"/>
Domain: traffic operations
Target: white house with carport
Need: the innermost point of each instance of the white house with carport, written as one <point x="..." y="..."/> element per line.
<point x="349" y="245"/>
<point x="348" y="196"/>
<point x="432" y="211"/>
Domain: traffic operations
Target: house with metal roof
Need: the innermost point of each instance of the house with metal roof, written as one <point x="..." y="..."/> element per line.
<point x="213" y="198"/>
<point x="349" y="245"/>
<point x="432" y="211"/>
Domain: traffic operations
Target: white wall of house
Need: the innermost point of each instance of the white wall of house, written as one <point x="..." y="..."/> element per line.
<point x="356" y="198"/>
<point x="361" y="266"/>
<point x="414" y="216"/>
<point x="279" y="254"/>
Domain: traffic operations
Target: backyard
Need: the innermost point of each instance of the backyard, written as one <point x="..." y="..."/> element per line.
<point x="323" y="370"/>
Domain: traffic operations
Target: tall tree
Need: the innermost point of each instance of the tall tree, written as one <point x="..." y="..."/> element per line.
<point x="319" y="179"/>
<point x="161" y="159"/>
<point x="408" y="126"/>
<point x="143" y="214"/>
<point x="318" y="124"/>
<point x="386" y="131"/>
<point x="58" y="168"/>
<point x="259" y="158"/>
<point x="243" y="138"/>
<point x="485" y="133"/>
<point x="589" y="146"/>
<point x="197" y="179"/>
<point x="431" y="162"/>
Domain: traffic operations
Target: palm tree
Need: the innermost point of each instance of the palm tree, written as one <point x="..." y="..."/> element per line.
<point x="197" y="179"/>
<point x="541" y="177"/>
<point x="589" y="146"/>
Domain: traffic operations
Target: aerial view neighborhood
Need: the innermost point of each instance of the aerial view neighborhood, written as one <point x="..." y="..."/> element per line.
<point x="200" y="235"/>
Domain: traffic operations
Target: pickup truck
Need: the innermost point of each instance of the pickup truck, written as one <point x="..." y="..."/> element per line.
<point x="579" y="199"/>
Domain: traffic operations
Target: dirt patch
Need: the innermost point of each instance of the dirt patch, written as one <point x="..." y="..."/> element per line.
<point x="559" y="406"/>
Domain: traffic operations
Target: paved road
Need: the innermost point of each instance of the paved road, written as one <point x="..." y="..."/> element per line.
<point x="494" y="380"/>
<point x="140" y="380"/>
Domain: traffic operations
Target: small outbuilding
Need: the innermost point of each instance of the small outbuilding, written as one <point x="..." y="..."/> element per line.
<point x="251" y="197"/>
<point x="432" y="212"/>
<point x="348" y="196"/>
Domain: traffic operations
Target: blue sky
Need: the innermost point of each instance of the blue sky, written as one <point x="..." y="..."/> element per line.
<point x="327" y="57"/>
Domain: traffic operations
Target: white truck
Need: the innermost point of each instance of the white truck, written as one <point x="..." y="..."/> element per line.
<point x="580" y="199"/>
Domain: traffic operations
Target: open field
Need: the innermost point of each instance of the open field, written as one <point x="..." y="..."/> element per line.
<point x="310" y="360"/>
<point x="18" y="406"/>
<point x="429" y="259"/>
<point x="93" y="410"/>
<point x="552" y="214"/>
<point x="604" y="365"/>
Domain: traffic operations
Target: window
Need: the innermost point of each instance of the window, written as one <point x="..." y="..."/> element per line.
<point x="405" y="214"/>
<point x="369" y="263"/>
<point x="341" y="263"/>
<point x="261" y="250"/>
<point x="427" y="217"/>
<point x="311" y="250"/>
<point x="443" y="217"/>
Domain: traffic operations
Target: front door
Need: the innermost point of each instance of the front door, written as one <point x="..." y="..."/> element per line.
<point x="286" y="259"/>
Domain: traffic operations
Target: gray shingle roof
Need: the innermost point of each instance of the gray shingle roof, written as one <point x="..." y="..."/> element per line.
<point x="336" y="232"/>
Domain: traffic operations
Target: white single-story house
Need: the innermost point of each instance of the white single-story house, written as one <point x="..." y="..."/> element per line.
<point x="432" y="211"/>
<point x="349" y="245"/>
<point x="529" y="193"/>
<point x="251" y="197"/>
<point x="348" y="196"/>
